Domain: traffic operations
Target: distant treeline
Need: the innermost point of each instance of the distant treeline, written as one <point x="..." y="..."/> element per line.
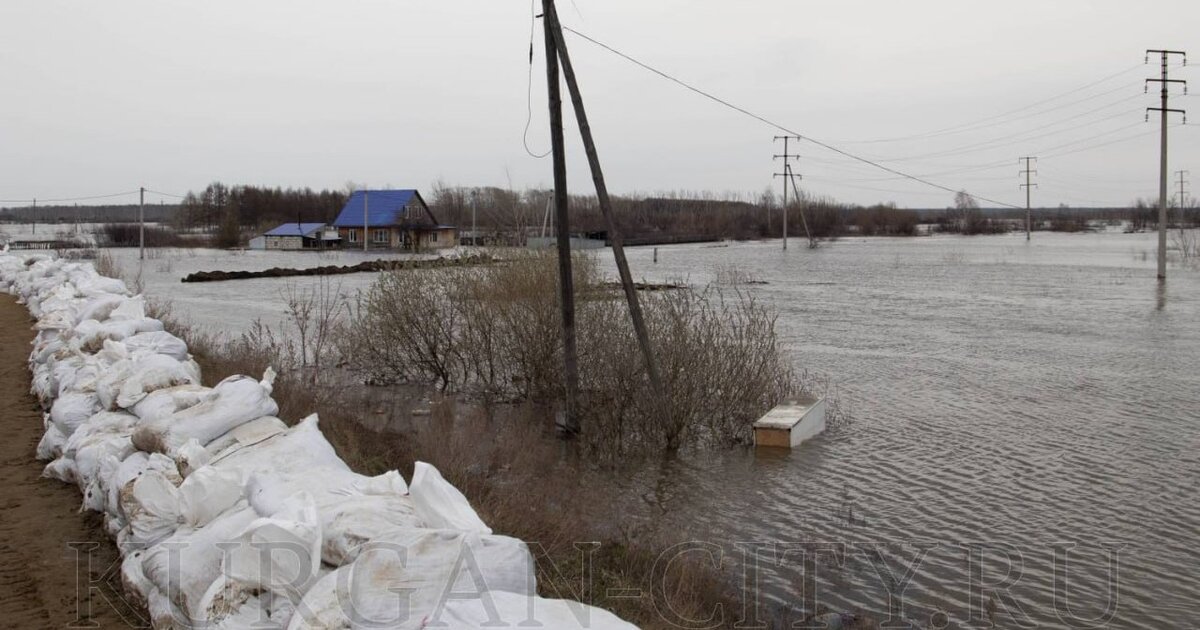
<point x="229" y="213"/>
<point x="228" y="216"/>
<point x="155" y="213"/>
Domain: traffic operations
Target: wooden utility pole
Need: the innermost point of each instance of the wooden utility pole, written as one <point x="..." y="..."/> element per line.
<point x="614" y="235"/>
<point x="787" y="158"/>
<point x="1028" y="172"/>
<point x="34" y="215"/>
<point x="1165" y="111"/>
<point x="569" y="426"/>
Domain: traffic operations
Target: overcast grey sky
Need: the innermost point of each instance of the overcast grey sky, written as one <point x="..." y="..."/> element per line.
<point x="105" y="96"/>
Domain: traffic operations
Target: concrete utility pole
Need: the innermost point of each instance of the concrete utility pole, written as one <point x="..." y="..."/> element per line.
<point x="1165" y="111"/>
<point x="474" y="233"/>
<point x="812" y="242"/>
<point x="142" y="223"/>
<point x="569" y="427"/>
<point x="1182" y="182"/>
<point x="1028" y="172"/>
<point x="787" y="157"/>
<point x="34" y="215"/>
<point x="366" y="221"/>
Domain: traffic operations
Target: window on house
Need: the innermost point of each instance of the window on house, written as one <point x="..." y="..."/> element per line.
<point x="433" y="237"/>
<point x="380" y="236"/>
<point x="352" y="236"/>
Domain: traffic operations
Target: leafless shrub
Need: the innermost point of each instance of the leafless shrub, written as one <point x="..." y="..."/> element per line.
<point x="495" y="331"/>
<point x="1187" y="243"/>
<point x="316" y="314"/>
<point x="107" y="266"/>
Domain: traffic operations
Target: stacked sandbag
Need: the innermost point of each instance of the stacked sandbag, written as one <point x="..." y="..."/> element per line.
<point x="225" y="516"/>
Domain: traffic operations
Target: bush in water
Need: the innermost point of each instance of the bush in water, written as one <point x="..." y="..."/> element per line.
<point x="495" y="331"/>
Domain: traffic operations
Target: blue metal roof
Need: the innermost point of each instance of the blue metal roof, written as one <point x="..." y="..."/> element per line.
<point x="295" y="229"/>
<point x="384" y="207"/>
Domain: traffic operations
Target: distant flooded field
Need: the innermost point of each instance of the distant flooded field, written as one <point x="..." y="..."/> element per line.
<point x="1021" y="396"/>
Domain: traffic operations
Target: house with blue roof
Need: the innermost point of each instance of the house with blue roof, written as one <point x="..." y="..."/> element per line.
<point x="392" y="219"/>
<point x="296" y="235"/>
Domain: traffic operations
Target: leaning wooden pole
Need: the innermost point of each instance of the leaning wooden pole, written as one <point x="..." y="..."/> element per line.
<point x="569" y="427"/>
<point x="585" y="130"/>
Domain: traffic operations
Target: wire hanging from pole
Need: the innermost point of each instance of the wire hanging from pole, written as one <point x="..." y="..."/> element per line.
<point x="529" y="86"/>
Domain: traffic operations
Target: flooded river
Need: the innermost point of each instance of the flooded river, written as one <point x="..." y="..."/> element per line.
<point x="1025" y="397"/>
<point x="1026" y="417"/>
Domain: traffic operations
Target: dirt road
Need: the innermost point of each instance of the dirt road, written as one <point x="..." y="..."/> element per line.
<point x="40" y="519"/>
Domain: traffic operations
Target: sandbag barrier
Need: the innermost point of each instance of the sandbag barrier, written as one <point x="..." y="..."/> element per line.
<point x="227" y="518"/>
<point x="370" y="266"/>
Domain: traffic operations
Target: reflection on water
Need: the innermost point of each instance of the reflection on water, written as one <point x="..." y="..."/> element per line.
<point x="1020" y="396"/>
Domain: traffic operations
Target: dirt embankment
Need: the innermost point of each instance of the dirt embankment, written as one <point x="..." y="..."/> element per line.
<point x="43" y="537"/>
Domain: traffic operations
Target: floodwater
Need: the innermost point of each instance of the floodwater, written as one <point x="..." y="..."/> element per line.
<point x="1024" y="398"/>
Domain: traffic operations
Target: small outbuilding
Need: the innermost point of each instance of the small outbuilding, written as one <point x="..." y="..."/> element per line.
<point x="298" y="236"/>
<point x="392" y="219"/>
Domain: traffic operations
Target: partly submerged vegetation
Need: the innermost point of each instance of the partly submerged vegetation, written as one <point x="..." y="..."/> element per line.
<point x="488" y="339"/>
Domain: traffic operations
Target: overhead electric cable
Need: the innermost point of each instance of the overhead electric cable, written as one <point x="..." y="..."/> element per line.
<point x="771" y="123"/>
<point x="978" y="124"/>
<point x="68" y="199"/>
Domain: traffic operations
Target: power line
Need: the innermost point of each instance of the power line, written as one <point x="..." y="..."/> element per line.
<point x="166" y="194"/>
<point x="776" y="125"/>
<point x="68" y="199"/>
<point x="972" y="126"/>
<point x="1019" y="137"/>
<point x="1111" y="142"/>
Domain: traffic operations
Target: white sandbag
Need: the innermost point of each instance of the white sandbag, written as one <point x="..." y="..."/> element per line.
<point x="57" y="321"/>
<point x="400" y="581"/>
<point x="161" y="510"/>
<point x="90" y="335"/>
<point x="51" y="445"/>
<point x="137" y="587"/>
<point x="130" y="309"/>
<point x="127" y="470"/>
<point x="207" y="493"/>
<point x="191" y="457"/>
<point x="499" y="609"/>
<point x="440" y="505"/>
<point x="98" y="308"/>
<point x="164" y="402"/>
<point x="245" y="435"/>
<point x="73" y="409"/>
<point x="42" y="387"/>
<point x="61" y="469"/>
<point x="152" y="373"/>
<point x="161" y="342"/>
<point x="276" y="558"/>
<point x="373" y="507"/>
<point x="184" y="565"/>
<point x="104" y="434"/>
<point x="92" y="452"/>
<point x="164" y="614"/>
<point x="151" y="509"/>
<point x="100" y="424"/>
<point x="75" y="373"/>
<point x="100" y="285"/>
<point x="233" y="402"/>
